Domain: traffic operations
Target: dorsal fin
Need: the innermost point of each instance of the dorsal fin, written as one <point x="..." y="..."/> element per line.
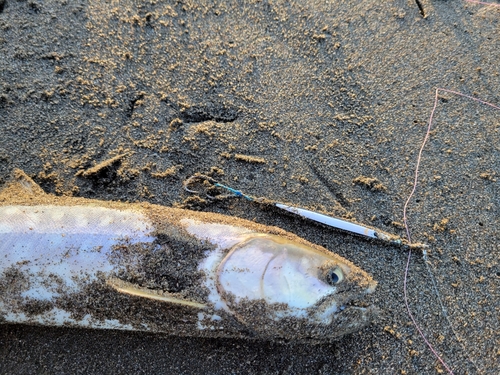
<point x="21" y="183"/>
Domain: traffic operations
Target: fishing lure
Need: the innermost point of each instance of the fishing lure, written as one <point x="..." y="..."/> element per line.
<point x="68" y="261"/>
<point x="330" y="221"/>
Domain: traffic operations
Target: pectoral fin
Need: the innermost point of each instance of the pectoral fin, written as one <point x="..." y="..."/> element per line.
<point x="135" y="290"/>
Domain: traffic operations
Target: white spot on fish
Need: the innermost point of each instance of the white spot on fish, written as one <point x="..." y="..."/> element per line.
<point x="72" y="220"/>
<point x="209" y="267"/>
<point x="59" y="317"/>
<point x="70" y="242"/>
<point x="222" y="235"/>
<point x="200" y="326"/>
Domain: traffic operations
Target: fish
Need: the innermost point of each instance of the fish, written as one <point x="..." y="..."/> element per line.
<point x="78" y="262"/>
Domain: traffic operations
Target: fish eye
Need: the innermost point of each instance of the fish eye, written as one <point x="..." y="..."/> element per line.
<point x="335" y="276"/>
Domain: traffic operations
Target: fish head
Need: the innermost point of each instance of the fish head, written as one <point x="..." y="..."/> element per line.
<point x="280" y="286"/>
<point x="283" y="288"/>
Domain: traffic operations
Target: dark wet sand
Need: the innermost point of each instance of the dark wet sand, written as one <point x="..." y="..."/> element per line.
<point x="290" y="101"/>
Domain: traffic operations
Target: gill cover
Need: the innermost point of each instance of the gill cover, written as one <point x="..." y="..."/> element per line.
<point x="277" y="271"/>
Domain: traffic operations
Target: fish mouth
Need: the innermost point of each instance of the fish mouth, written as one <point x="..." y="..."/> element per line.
<point x="333" y="306"/>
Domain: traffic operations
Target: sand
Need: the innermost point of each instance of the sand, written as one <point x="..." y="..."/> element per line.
<point x="308" y="103"/>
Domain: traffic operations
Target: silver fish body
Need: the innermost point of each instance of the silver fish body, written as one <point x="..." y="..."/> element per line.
<point x="78" y="262"/>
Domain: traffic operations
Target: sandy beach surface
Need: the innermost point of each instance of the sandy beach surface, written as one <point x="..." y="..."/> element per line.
<point x="318" y="104"/>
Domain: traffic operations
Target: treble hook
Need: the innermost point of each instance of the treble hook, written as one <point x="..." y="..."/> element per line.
<point x="197" y="177"/>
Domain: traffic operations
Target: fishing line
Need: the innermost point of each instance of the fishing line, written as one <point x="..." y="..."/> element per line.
<point x="444" y="310"/>
<point x="483" y="3"/>
<point x="405" y="221"/>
